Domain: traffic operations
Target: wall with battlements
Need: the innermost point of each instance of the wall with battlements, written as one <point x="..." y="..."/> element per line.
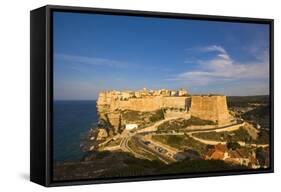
<point x="176" y="102"/>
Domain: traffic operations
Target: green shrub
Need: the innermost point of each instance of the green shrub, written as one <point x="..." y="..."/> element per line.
<point x="263" y="137"/>
<point x="233" y="136"/>
<point x="157" y="116"/>
<point x="233" y="145"/>
<point x="180" y="142"/>
<point x="183" y="123"/>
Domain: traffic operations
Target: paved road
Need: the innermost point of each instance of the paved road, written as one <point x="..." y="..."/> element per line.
<point x="140" y="143"/>
<point x="126" y="148"/>
<point x="231" y="127"/>
<point x="163" y="157"/>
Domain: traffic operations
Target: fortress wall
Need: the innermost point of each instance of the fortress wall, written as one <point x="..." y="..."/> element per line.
<point x="212" y="108"/>
<point x="178" y="114"/>
<point x="175" y="102"/>
<point x="208" y="107"/>
<point x="203" y="107"/>
<point x="142" y="104"/>
<point x="153" y="103"/>
<point x="138" y="104"/>
<point x="222" y="110"/>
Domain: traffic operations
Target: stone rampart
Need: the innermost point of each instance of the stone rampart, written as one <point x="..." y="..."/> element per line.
<point x="207" y="107"/>
<point x="108" y="103"/>
<point x="210" y="107"/>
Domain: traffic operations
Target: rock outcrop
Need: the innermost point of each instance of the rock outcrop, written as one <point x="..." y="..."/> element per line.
<point x="101" y="135"/>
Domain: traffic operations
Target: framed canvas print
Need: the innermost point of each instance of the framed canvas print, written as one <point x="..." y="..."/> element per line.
<point x="119" y="95"/>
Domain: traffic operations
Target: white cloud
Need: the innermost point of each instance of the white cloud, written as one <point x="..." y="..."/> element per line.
<point x="222" y="67"/>
<point x="90" y="60"/>
<point x="214" y="48"/>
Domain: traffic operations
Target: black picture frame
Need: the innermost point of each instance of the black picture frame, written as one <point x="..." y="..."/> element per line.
<point x="41" y="59"/>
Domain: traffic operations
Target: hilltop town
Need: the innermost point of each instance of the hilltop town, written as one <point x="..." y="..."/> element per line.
<point x="172" y="125"/>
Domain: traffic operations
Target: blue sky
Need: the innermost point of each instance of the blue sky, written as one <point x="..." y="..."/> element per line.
<point x="93" y="53"/>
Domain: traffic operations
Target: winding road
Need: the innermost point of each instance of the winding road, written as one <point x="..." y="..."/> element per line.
<point x="153" y="147"/>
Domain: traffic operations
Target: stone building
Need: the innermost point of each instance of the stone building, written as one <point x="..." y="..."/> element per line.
<point x="182" y="92"/>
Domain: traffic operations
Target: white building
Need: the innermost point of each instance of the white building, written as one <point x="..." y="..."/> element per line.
<point x="183" y="92"/>
<point x="137" y="94"/>
<point x="125" y="95"/>
<point x="131" y="126"/>
<point x="174" y="93"/>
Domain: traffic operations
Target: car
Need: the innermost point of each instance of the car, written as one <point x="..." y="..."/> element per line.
<point x="146" y="142"/>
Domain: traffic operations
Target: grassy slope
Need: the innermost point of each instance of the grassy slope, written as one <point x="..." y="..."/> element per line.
<point x="180" y="142"/>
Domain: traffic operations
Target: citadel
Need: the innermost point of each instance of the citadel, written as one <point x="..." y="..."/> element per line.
<point x="207" y="107"/>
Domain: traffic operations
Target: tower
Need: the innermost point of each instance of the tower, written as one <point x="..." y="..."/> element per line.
<point x="210" y="107"/>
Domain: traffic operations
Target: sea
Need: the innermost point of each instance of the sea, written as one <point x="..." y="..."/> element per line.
<point x="71" y="122"/>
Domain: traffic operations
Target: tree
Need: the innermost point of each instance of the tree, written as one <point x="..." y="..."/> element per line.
<point x="233" y="145"/>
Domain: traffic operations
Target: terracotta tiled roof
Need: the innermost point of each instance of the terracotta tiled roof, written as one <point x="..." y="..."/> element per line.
<point x="243" y="152"/>
<point x="218" y="155"/>
<point x="253" y="160"/>
<point x="210" y="152"/>
<point x="220" y="147"/>
<point x="215" y="154"/>
<point x="233" y="154"/>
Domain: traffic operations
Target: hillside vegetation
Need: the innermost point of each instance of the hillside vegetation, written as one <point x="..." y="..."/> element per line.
<point x="245" y="101"/>
<point x="183" y="123"/>
<point x="180" y="142"/>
